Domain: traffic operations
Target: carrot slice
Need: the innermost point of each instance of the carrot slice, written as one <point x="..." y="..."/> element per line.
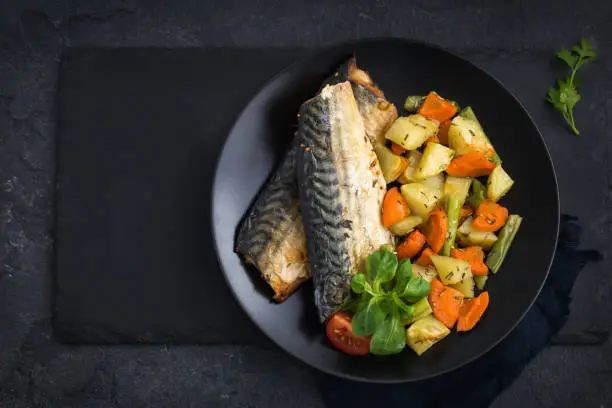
<point x="438" y="108"/>
<point x="471" y="311"/>
<point x="474" y="164"/>
<point x="397" y="149"/>
<point x="443" y="132"/>
<point x="410" y="247"/>
<point x="475" y="256"/>
<point x="445" y="303"/>
<point x="490" y="216"/>
<point x="437" y="229"/>
<point x="395" y="207"/>
<point x="425" y="258"/>
<point x="466" y="211"/>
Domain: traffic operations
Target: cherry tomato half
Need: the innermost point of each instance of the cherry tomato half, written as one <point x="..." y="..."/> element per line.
<point x="341" y="335"/>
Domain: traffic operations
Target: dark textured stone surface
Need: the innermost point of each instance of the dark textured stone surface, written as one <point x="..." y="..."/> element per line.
<point x="37" y="371"/>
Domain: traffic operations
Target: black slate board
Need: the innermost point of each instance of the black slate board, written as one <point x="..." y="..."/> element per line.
<point x="139" y="133"/>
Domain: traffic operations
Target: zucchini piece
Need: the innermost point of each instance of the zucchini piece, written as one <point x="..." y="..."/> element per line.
<point x="420" y="198"/>
<point x="468" y="236"/>
<point x="424" y="333"/>
<point x="478" y="238"/>
<point x="498" y="184"/>
<point x="458" y="187"/>
<point x="435" y="160"/>
<point x="468" y="113"/>
<point x="405" y="226"/>
<point x="451" y="270"/>
<point x="428" y="272"/>
<point x="410" y="132"/>
<point x="480" y="281"/>
<point x="466" y="136"/>
<point x="466" y="286"/>
<point x="466" y="227"/>
<point x="414" y="157"/>
<point x="435" y="183"/>
<point x="422" y="308"/>
<point x="391" y="165"/>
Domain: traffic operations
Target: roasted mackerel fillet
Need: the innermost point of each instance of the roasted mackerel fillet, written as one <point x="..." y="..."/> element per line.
<point x="341" y="192"/>
<point x="272" y="235"/>
<point x="377" y="113"/>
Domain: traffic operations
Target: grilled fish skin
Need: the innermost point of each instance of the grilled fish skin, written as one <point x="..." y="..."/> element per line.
<point x="272" y="236"/>
<point x="341" y="191"/>
<point x="377" y="112"/>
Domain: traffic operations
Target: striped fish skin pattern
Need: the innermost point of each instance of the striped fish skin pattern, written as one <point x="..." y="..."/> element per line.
<point x="341" y="191"/>
<point x="272" y="236"/>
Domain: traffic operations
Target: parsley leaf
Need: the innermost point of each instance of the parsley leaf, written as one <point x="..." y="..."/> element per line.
<point x="566" y="55"/>
<point x="565" y="96"/>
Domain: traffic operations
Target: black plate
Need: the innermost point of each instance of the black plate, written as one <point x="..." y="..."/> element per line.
<point x="263" y="131"/>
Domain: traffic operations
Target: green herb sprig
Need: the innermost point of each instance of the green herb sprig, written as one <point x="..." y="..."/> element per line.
<point x="382" y="301"/>
<point x="565" y="96"/>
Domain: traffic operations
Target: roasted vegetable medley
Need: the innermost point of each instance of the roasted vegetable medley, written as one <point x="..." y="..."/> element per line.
<point x="445" y="181"/>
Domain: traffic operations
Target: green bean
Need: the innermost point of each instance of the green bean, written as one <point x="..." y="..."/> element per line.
<point x="413" y="103"/>
<point x="480" y="281"/>
<point x="477" y="195"/>
<point x="421" y="309"/>
<point x="388" y="248"/>
<point x="453" y="209"/>
<point x="502" y="245"/>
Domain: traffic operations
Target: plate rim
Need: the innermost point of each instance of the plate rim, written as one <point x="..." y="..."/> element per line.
<point x="325" y="48"/>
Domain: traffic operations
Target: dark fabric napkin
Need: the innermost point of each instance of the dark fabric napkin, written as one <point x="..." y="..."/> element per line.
<point x="480" y="382"/>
